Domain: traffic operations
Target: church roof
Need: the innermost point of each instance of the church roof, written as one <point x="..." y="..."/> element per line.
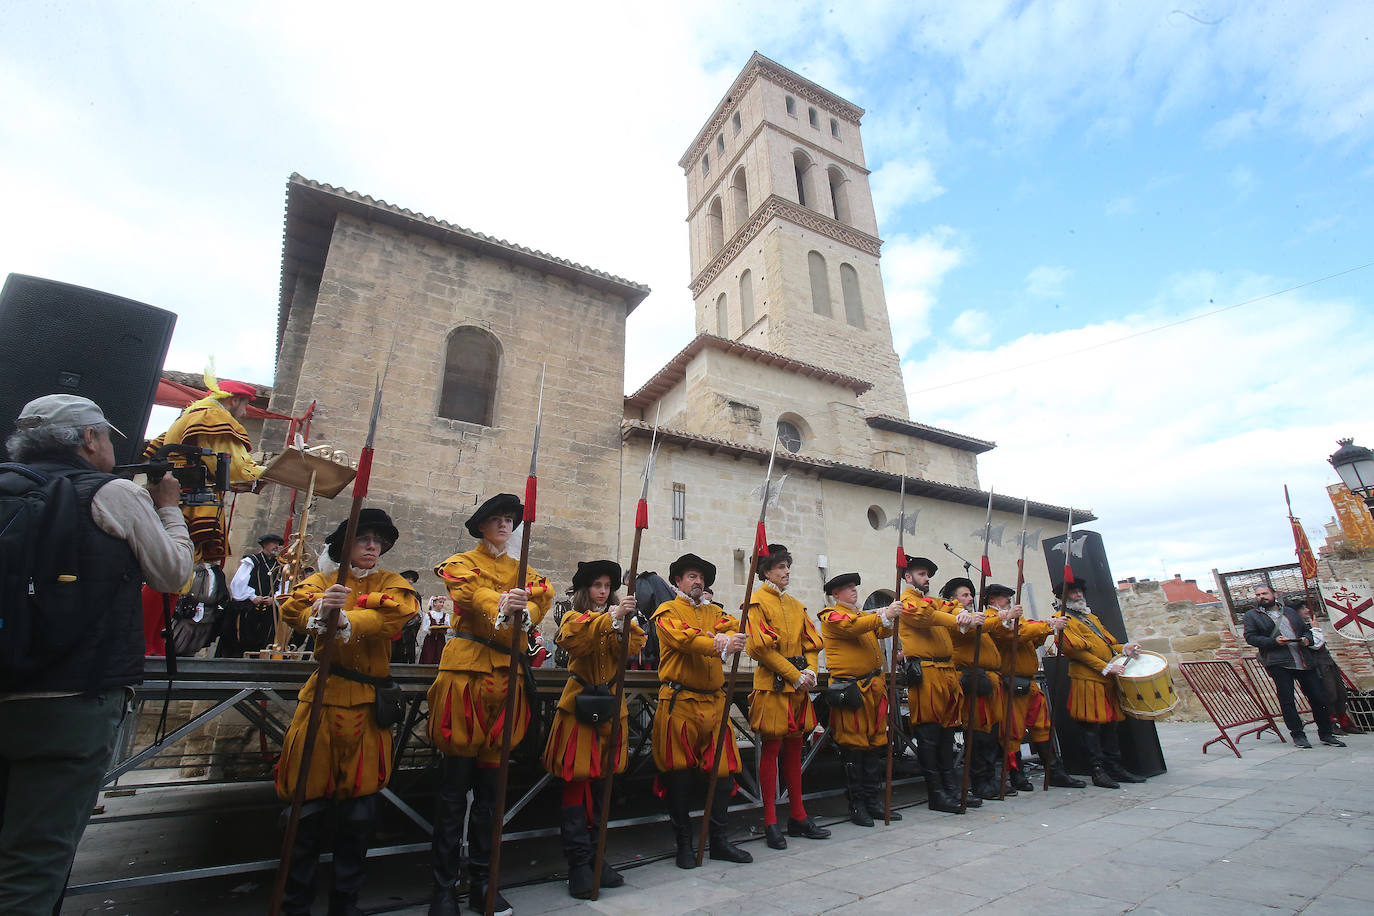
<point x="312" y="205"/>
<point x="676" y="368"/>
<point x="853" y="473"/>
<point x="929" y="433"/>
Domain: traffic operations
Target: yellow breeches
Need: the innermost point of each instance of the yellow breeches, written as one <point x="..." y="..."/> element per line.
<point x="1093" y="701"/>
<point x="865" y="727"/>
<point x="575" y="749"/>
<point x="685" y="734"/>
<point x="467" y="711"/>
<point x="938" y="699"/>
<point x="775" y="714"/>
<point x="352" y="755"/>
<point x="988" y="710"/>
<point x="1030" y="717"/>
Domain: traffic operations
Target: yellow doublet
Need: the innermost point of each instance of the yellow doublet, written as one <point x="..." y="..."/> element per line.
<point x="1029" y="711"/>
<point x="779" y="632"/>
<point x="924" y="628"/>
<point x="690" y="699"/>
<point x="852" y="652"/>
<point x="1092" y="695"/>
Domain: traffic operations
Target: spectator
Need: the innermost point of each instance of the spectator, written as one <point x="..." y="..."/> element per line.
<point x="1333" y="682"/>
<point x="251" y="615"/>
<point x="434" y="630"/>
<point x="1284" y="643"/>
<point x="57" y="731"/>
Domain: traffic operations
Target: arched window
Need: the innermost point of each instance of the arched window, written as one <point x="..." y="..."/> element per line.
<point x="472" y="363"/>
<point x="801" y="166"/>
<point x="739" y="192"/>
<point x="853" y="302"/>
<point x="839" y="196"/>
<point x="746" y="301"/>
<point x="722" y="317"/>
<point x="789" y="437"/>
<point x="820" y="284"/>
<point x="715" y="227"/>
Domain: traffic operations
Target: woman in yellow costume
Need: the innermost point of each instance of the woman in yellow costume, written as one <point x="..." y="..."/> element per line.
<point x="787" y="646"/>
<point x="467" y="703"/>
<point x="351" y="761"/>
<point x="591" y="633"/>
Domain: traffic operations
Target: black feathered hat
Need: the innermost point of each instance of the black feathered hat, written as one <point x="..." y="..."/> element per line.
<point x="1076" y="583"/>
<point x="841" y="581"/>
<point x="507" y="504"/>
<point x="949" y="588"/>
<point x="587" y="573"/>
<point x="777" y="553"/>
<point x="691" y="561"/>
<point x="374" y="520"/>
<point x="996" y="590"/>
<point x="922" y="563"/>
<point x="271" y="537"/>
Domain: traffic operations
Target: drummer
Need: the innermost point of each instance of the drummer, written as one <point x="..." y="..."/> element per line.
<point x="1095" y="658"/>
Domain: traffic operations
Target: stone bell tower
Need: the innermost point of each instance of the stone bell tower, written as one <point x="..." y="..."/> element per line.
<point x="784" y="240"/>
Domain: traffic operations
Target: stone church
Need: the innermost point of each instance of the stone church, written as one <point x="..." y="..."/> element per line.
<point x="793" y="335"/>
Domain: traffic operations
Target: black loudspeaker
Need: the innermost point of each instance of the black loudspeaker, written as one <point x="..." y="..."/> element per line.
<point x="1140" y="750"/>
<point x="56" y="338"/>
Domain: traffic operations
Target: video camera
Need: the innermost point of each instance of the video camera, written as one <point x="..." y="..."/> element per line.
<point x="199" y="487"/>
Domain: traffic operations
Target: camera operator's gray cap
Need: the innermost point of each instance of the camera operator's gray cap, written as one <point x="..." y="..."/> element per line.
<point x="63" y="411"/>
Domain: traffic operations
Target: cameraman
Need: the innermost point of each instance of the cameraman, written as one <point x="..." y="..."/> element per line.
<point x="57" y="729"/>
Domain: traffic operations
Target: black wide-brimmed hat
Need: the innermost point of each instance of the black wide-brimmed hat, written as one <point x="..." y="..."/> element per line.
<point x="841" y="581"/>
<point x="271" y="537"/>
<point x="949" y="588"/>
<point x="997" y="590"/>
<point x="374" y="520"/>
<point x="1076" y="583"/>
<point x="922" y="563"/>
<point x="691" y="561"/>
<point x="507" y="504"/>
<point x="587" y="573"/>
<point x="777" y="553"/>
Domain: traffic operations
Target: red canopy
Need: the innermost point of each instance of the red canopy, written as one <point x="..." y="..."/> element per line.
<point x="174" y="394"/>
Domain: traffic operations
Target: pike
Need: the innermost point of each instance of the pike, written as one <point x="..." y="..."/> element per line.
<point x="613" y="746"/>
<point x="1009" y="667"/>
<point x="517" y="661"/>
<point x="760" y="549"/>
<point x="984" y="571"/>
<point x="1059" y="649"/>
<point x="326" y="643"/>
<point x="891" y="673"/>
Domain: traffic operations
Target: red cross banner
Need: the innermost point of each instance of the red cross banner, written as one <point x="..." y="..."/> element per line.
<point x="1351" y="606"/>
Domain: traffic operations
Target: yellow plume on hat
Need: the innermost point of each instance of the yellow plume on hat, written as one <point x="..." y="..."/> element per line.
<point x="212" y="383"/>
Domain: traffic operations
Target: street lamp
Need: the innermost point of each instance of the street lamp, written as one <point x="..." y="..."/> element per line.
<point x="1355" y="464"/>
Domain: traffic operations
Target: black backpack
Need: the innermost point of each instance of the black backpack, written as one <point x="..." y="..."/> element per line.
<point x="41" y="613"/>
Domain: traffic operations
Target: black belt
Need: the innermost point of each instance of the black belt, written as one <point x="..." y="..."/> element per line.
<point x="678" y="688"/>
<point x="358" y="677"/>
<point x="862" y="680"/>
<point x="588" y="685"/>
<point x="798" y="662"/>
<point x="525" y="668"/>
<point x="933" y="661"/>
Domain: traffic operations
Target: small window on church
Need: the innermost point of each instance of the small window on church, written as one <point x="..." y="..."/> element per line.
<point x="722" y="317"/>
<point x="705" y="163"/>
<point x="834" y="128"/>
<point x="789" y="436"/>
<point x="679" y="511"/>
<point x="877" y="518"/>
<point x="820" y="283"/>
<point x="736" y="123"/>
<point x="791" y="106"/>
<point x="471" y="366"/>
<point x="812" y="117"/>
<point x="720" y="144"/>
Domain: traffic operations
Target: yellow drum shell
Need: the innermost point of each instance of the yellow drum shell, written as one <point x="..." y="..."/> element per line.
<point x="1145" y="689"/>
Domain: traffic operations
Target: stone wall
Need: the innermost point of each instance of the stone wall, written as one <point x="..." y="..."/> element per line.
<point x="1181" y="631"/>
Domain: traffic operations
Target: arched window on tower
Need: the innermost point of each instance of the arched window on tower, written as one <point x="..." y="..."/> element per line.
<point x="472" y="364"/>
<point x="853" y="302"/>
<point x="839" y="194"/>
<point x="739" y="191"/>
<point x="715" y="227"/>
<point x="746" y="300"/>
<point x="801" y="166"/>
<point x="820" y="284"/>
<point x="722" y="317"/>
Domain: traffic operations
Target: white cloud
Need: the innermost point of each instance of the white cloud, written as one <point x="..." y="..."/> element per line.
<point x="899" y="183"/>
<point x="1047" y="281"/>
<point x="972" y="326"/>
<point x="913" y="269"/>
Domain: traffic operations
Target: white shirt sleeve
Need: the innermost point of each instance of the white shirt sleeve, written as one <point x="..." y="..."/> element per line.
<point x="158" y="537"/>
<point x="239" y="589"/>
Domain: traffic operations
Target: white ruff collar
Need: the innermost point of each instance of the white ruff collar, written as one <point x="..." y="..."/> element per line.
<point x="492" y="550"/>
<point x="690" y="600"/>
<point x="774" y="589"/>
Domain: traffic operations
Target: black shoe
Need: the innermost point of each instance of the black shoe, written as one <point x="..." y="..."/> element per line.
<point x="1301" y="741"/>
<point x="1121" y="774"/>
<point x="772" y="834"/>
<point x="580" y="881"/>
<point x="1102" y="780"/>
<point x="879" y="812"/>
<point x="722" y="850"/>
<point x="859" y="816"/>
<point x="1060" y="779"/>
<point x="444" y="902"/>
<point x="477" y="901"/>
<point x="610" y="877"/>
<point x="1333" y="741"/>
<point x="875" y="784"/>
<point x="806" y="827"/>
<point x="1017" y="779"/>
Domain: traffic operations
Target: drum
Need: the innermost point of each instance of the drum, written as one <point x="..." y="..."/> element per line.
<point x="1145" y="689"/>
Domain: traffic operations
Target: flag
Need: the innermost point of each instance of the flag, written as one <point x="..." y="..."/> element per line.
<point x="1306" y="560"/>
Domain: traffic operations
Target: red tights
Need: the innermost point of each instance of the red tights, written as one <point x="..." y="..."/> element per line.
<point x="791" y="749"/>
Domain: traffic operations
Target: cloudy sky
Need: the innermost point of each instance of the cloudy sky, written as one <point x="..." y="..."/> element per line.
<point x="1053" y="181"/>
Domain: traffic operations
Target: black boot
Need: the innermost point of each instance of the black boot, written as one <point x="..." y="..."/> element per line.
<point x="983" y="779"/>
<point x="579" y="850"/>
<point x="446" y="852"/>
<point x="954" y="774"/>
<point x="677" y="785"/>
<point x="721" y="848"/>
<point x="1097" y="760"/>
<point x="1111" y="751"/>
<point x="852" y="758"/>
<point x="928" y="738"/>
<point x="1016" y="775"/>
<point x="481" y="818"/>
<point x="1059" y="777"/>
<point x="875" y="784"/>
<point x="357" y="817"/>
<point x="609" y="876"/>
<point x="305" y="861"/>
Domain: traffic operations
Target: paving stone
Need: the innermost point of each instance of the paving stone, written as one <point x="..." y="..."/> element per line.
<point x="904" y="900"/>
<point x="1332" y="905"/>
<point x="1281" y="887"/>
<point x="1125" y="881"/>
<point x="1176" y="902"/>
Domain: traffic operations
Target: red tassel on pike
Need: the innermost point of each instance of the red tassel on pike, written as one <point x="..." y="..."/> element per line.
<point x="901" y="558"/>
<point x="531" y="491"/>
<point x="987" y="567"/>
<point x="642" y="514"/>
<point x="1068" y="573"/>
<point x="364" y="472"/>
<point x="760" y="541"/>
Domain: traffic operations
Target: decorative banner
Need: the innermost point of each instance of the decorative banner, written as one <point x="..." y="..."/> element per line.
<point x="1350" y="603"/>
<point x="1356" y="524"/>
<point x="1304" y="550"/>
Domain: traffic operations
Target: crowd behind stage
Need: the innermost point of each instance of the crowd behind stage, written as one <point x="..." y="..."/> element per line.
<point x="967" y="662"/>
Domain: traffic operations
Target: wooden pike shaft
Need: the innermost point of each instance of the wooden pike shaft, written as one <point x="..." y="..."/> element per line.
<point x="977" y="651"/>
<point x="1060" y="662"/>
<point x="1009" y="666"/>
<point x="893" y="707"/>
